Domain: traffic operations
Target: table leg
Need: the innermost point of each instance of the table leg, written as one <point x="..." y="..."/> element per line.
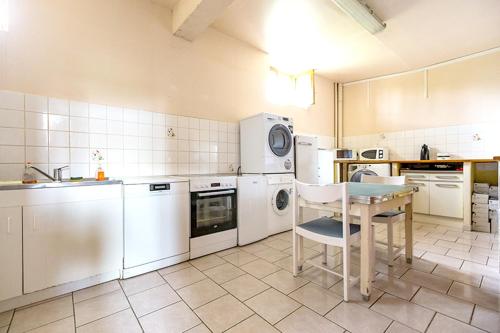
<point x="409" y="232"/>
<point x="366" y="256"/>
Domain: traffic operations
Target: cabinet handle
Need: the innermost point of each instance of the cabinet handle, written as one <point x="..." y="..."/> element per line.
<point x="9" y="222"/>
<point x="418" y="184"/>
<point x="416" y="176"/>
<point x="35" y="224"/>
<point x="447" y="185"/>
<point x="447" y="177"/>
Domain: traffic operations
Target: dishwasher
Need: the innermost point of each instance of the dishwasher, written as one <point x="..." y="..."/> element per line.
<point x="156" y="223"/>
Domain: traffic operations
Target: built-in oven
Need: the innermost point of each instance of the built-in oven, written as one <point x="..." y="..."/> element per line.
<point x="213" y="211"/>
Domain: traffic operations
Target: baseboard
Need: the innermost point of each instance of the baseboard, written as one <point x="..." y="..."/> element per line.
<point x="153" y="266"/>
<point x="445" y="221"/>
<point x="52" y="292"/>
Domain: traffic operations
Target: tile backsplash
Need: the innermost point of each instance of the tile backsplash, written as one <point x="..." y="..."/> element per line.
<point x="465" y="141"/>
<point x="51" y="132"/>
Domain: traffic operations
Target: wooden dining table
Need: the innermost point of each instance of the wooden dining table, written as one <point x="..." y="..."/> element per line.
<point x="367" y="200"/>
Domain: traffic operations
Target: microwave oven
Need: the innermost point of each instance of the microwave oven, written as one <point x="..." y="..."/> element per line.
<point x="374" y="154"/>
<point x="345" y="154"/>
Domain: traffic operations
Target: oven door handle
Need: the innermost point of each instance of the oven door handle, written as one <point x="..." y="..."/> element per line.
<point x="210" y="194"/>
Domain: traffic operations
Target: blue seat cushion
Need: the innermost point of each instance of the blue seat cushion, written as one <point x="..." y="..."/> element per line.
<point x="328" y="226"/>
<point x="390" y="213"/>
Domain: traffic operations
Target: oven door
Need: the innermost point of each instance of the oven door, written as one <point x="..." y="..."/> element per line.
<point x="212" y="211"/>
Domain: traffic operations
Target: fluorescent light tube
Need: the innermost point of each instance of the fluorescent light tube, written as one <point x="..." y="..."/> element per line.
<point x="362" y="14"/>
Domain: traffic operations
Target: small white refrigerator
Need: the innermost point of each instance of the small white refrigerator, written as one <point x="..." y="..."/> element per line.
<point x="312" y="164"/>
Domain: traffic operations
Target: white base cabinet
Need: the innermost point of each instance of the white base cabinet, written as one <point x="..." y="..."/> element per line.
<point x="440" y="194"/>
<point x="11" y="283"/>
<point x="71" y="241"/>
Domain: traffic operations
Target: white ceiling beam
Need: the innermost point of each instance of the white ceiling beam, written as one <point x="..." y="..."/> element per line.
<point x="191" y="17"/>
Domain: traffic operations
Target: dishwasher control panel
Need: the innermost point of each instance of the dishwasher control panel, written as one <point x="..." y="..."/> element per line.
<point x="159" y="187"/>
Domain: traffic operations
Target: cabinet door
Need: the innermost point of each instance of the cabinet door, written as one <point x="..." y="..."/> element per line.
<point x="71" y="241"/>
<point x="421" y="198"/>
<point x="446" y="199"/>
<point x="11" y="261"/>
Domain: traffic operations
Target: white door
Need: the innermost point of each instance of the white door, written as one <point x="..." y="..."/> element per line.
<point x="11" y="260"/>
<point x="67" y="242"/>
<point x="156" y="223"/>
<point x="421" y="198"/>
<point x="252" y="214"/>
<point x="447" y="199"/>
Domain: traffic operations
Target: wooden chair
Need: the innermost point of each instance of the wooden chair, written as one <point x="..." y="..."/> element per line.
<point x="325" y="230"/>
<point x="390" y="218"/>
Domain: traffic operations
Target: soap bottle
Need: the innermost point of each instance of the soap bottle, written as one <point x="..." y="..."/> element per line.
<point x="100" y="174"/>
<point x="29" y="176"/>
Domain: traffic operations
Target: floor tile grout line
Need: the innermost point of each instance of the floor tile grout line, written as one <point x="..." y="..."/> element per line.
<point x="430" y="322"/>
<point x="130" y="306"/>
<point x="106" y="316"/>
<point x="11" y="320"/>
<point x="106" y="293"/>
<point x="74" y="312"/>
<point x="43" y="325"/>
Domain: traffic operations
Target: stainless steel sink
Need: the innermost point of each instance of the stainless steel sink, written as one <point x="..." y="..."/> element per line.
<point x="18" y="185"/>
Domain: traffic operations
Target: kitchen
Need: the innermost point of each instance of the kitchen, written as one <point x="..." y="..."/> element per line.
<point x="178" y="134"/>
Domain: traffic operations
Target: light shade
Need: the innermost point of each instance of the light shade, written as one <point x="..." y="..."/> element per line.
<point x="362" y="14"/>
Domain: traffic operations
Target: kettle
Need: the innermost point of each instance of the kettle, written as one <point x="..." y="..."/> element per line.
<point x="424" y="152"/>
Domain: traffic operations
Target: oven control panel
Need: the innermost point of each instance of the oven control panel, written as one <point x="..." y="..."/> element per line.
<point x="207" y="184"/>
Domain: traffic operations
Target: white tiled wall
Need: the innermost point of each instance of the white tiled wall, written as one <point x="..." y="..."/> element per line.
<point x="51" y="132"/>
<point x="465" y="141"/>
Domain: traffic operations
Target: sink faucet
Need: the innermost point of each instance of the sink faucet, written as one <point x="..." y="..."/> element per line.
<point x="57" y="172"/>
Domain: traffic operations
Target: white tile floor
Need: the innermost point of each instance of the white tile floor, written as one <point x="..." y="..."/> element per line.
<point x="452" y="286"/>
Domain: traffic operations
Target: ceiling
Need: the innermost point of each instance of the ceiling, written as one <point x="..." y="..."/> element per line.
<point x="305" y="34"/>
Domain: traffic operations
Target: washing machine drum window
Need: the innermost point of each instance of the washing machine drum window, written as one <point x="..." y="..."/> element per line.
<point x="280" y="140"/>
<point x="281" y="201"/>
<point x="356" y="177"/>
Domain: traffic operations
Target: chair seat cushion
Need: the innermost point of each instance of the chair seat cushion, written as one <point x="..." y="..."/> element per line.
<point x="327" y="226"/>
<point x="390" y="213"/>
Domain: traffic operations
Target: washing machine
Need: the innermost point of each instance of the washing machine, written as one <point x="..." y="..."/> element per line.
<point x="279" y="202"/>
<point x="355" y="171"/>
<point x="267" y="144"/>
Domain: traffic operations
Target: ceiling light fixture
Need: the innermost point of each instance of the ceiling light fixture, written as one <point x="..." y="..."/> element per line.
<point x="362" y="14"/>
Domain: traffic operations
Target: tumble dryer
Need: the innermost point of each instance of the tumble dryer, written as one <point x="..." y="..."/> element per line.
<point x="267" y="144"/>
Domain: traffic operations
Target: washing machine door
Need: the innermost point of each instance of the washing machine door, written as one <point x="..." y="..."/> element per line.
<point x="356" y="177"/>
<point x="280" y="140"/>
<point x="281" y="201"/>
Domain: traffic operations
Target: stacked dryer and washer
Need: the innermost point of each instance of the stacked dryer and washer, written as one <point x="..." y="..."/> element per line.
<point x="267" y="165"/>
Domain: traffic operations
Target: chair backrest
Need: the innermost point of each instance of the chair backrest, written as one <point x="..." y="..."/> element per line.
<point x="394" y="180"/>
<point x="315" y="193"/>
<point x="318" y="195"/>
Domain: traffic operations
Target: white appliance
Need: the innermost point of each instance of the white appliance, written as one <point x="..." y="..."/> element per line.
<point x="374" y="154"/>
<point x="156" y="223"/>
<point x="279" y="203"/>
<point x="344" y="154"/>
<point x="267" y="144"/>
<point x="313" y="165"/>
<point x="306" y="159"/>
<point x="252" y="215"/>
<point x="356" y="171"/>
<point x="213" y="214"/>
<point x="325" y="166"/>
